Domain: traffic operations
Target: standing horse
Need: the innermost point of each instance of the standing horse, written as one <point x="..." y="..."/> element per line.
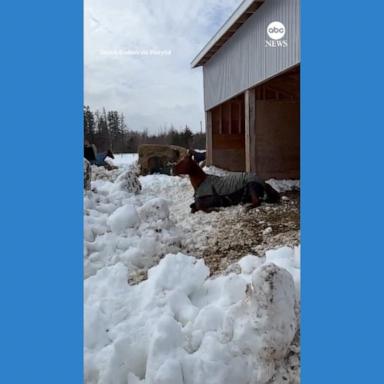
<point x="214" y="191"/>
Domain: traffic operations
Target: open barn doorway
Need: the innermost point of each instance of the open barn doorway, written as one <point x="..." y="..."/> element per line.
<point x="259" y="130"/>
<point x="228" y="146"/>
<point x="273" y="127"/>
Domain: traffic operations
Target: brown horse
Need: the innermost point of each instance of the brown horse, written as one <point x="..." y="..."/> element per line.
<point x="214" y="191"/>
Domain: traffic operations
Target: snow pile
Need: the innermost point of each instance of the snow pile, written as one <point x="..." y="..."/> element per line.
<point x="123" y="218"/>
<point x="121" y="225"/>
<point x="129" y="180"/>
<point x="101" y="173"/>
<point x="116" y="230"/>
<point x="155" y="210"/>
<point x="284" y="185"/>
<point x="290" y="260"/>
<point x="180" y="326"/>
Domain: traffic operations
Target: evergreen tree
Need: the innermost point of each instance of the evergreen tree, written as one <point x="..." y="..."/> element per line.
<point x="187" y="137"/>
<point x="109" y="130"/>
<point x="89" y="124"/>
<point x="104" y="141"/>
<point x="114" y="129"/>
<point x="123" y="133"/>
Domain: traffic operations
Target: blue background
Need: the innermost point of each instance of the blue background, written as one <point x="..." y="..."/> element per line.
<point x="41" y="192"/>
<point x="342" y="192"/>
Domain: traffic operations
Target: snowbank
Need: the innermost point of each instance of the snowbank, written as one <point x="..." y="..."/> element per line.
<point x="284" y="185"/>
<point x="180" y="326"/>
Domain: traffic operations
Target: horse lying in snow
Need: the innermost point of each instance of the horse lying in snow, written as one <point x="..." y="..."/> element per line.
<point x="215" y="191"/>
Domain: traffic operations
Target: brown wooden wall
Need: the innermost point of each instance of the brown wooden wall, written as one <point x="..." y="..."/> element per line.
<point x="277" y="127"/>
<point x="277" y="139"/>
<point x="228" y="135"/>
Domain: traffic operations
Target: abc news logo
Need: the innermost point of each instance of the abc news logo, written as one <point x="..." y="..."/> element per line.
<point x="276" y="32"/>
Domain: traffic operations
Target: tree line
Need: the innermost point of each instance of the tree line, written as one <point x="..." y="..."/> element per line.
<point x="108" y="130"/>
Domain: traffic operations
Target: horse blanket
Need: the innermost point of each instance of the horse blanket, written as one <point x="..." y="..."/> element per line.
<point x="227" y="185"/>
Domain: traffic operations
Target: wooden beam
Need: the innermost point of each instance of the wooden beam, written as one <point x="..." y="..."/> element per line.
<point x="247" y="134"/>
<point x="229" y="117"/>
<point x="238" y="103"/>
<point x="208" y="132"/>
<point x="250" y="130"/>
<point x="240" y="116"/>
<point x="220" y="119"/>
<point x="280" y="91"/>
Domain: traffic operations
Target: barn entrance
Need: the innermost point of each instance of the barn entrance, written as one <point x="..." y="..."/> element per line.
<point x="273" y="127"/>
<point x="228" y="146"/>
<point x="259" y="130"/>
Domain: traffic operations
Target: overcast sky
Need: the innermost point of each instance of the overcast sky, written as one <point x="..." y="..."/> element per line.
<point x="152" y="90"/>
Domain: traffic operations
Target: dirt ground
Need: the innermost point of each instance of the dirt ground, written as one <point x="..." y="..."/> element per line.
<point x="236" y="232"/>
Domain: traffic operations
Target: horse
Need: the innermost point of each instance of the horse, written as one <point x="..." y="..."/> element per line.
<point x="221" y="191"/>
<point x="100" y="160"/>
<point x="95" y="158"/>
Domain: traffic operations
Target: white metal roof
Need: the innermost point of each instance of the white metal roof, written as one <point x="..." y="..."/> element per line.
<point x="235" y="21"/>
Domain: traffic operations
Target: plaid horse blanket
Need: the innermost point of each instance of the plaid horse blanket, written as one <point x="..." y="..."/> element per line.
<point x="226" y="185"/>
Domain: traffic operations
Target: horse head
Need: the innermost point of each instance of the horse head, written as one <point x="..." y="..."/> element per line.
<point x="110" y="154"/>
<point x="184" y="166"/>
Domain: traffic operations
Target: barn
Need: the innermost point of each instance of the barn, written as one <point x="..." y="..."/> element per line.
<point x="251" y="72"/>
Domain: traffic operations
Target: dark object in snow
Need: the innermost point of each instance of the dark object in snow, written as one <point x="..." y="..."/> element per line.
<point x="87" y="175"/>
<point x="90" y="153"/>
<point x="215" y="191"/>
<point x="100" y="159"/>
<point x="156" y="158"/>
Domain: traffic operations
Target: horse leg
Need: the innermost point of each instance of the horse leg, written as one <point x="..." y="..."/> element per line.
<point x="193" y="208"/>
<point x="255" y="191"/>
<point x="272" y="195"/>
<point x="206" y="204"/>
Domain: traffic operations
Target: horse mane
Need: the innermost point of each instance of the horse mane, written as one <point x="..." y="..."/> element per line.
<point x="196" y="174"/>
<point x="196" y="167"/>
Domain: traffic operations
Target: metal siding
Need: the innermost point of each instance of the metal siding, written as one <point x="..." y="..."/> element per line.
<point x="244" y="61"/>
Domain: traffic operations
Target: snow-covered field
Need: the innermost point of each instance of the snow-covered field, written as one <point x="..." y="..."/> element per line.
<point x="179" y="325"/>
<point x="125" y="159"/>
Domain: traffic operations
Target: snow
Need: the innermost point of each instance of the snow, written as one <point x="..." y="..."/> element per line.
<point x="125" y="158"/>
<point x="122" y="218"/>
<point x="267" y="231"/>
<point x="180" y="325"/>
<point x="179" y="321"/>
<point x="249" y="263"/>
<point x="288" y="259"/>
<point x="155" y="209"/>
<point x="284" y="185"/>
